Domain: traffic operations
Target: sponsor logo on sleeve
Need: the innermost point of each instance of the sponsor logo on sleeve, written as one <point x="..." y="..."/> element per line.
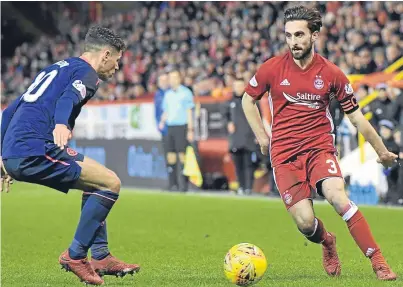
<point x="253" y="82"/>
<point x="79" y="86"/>
<point x="349" y="89"/>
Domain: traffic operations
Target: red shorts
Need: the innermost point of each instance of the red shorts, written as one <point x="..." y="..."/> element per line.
<point x="298" y="178"/>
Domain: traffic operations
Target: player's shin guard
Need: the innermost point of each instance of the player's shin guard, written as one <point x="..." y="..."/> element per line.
<point x="319" y="234"/>
<point x="94" y="212"/>
<point x="359" y="230"/>
<point x="99" y="249"/>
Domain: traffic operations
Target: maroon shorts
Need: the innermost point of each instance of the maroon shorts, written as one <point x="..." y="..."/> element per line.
<point x="297" y="179"/>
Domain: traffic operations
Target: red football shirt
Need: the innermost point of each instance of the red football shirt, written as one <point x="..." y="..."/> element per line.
<point x="299" y="103"/>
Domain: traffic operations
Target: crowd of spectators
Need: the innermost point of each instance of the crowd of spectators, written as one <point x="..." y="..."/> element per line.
<point x="213" y="42"/>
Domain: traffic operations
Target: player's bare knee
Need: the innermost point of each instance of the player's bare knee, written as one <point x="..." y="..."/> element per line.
<point x="337" y="198"/>
<point x="171" y="158"/>
<point x="305" y="223"/>
<point x="182" y="157"/>
<point x="307" y="226"/>
<point x="340" y="202"/>
<point x="114" y="183"/>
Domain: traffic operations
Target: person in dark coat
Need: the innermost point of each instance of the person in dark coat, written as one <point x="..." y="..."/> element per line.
<point x="242" y="143"/>
<point x="380" y="107"/>
<point x="386" y="128"/>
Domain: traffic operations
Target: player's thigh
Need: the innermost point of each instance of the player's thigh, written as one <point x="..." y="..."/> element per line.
<point x="334" y="192"/>
<point x="95" y="176"/>
<point x="322" y="165"/>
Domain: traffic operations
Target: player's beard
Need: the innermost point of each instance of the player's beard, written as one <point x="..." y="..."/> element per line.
<point x="305" y="54"/>
<point x="105" y="77"/>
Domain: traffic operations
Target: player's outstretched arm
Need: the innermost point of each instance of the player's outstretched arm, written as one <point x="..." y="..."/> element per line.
<point x="255" y="121"/>
<point x="386" y="158"/>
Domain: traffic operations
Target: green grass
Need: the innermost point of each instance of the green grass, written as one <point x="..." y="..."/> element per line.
<point x="181" y="239"/>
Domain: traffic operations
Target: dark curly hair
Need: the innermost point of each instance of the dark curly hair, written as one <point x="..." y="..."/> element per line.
<point x="311" y="15"/>
<point x="98" y="37"/>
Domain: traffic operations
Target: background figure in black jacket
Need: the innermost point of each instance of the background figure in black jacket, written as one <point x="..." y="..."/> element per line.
<point x="386" y="128"/>
<point x="337" y="117"/>
<point x="380" y="107"/>
<point x="242" y="142"/>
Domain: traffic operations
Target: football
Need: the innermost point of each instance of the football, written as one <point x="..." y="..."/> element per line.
<point x="245" y="264"/>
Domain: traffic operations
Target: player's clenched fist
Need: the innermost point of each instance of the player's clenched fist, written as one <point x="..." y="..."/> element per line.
<point x="61" y="135"/>
<point x="387" y="159"/>
<point x="264" y="146"/>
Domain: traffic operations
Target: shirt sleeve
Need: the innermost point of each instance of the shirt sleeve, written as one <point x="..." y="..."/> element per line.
<point x="344" y="93"/>
<point x="260" y="82"/>
<point x="7" y="115"/>
<point x="83" y="82"/>
<point x="164" y="105"/>
<point x="189" y="99"/>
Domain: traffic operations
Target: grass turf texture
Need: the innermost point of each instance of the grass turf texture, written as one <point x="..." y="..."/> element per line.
<point x="181" y="239"/>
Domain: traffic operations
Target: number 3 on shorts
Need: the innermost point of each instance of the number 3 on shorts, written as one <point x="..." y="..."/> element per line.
<point x="333" y="167"/>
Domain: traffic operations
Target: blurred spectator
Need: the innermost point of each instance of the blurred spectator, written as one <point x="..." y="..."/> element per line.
<point x="242" y="142"/>
<point x="393" y="53"/>
<point x="392" y="173"/>
<point x="381" y="106"/>
<point x="362" y="92"/>
<point x="163" y="86"/>
<point x="396" y="112"/>
<point x="380" y="60"/>
<point x="337" y="116"/>
<point x="212" y="40"/>
<point x="368" y="65"/>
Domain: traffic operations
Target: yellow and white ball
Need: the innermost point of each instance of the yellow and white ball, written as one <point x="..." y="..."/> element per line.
<point x="245" y="264"/>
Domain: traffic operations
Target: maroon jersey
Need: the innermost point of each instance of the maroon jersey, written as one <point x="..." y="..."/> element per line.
<point x="299" y="103"/>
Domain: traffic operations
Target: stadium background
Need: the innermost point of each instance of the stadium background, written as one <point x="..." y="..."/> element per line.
<point x="211" y="43"/>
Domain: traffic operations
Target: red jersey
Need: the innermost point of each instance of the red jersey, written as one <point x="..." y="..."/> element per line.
<point x="299" y="103"/>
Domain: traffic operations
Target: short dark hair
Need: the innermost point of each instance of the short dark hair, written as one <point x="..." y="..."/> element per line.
<point x="98" y="37"/>
<point x="311" y="15"/>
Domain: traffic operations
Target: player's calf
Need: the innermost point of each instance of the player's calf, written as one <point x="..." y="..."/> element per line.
<point x="317" y="233"/>
<point x="103" y="186"/>
<point x="304" y="217"/>
<point x="313" y="229"/>
<point x="333" y="190"/>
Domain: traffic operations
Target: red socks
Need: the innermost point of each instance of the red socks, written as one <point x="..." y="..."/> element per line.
<point x="360" y="231"/>
<point x="320" y="234"/>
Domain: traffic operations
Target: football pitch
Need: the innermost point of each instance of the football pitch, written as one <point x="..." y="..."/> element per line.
<point x="181" y="239"/>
